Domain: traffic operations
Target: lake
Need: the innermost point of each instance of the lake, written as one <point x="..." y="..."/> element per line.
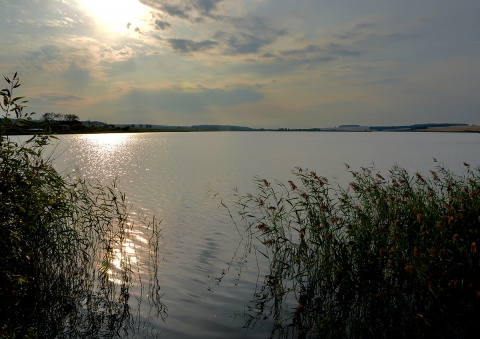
<point x="179" y="177"/>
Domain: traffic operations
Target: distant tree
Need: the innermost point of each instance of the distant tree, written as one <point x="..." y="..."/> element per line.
<point x="70" y="117"/>
<point x="48" y="117"/>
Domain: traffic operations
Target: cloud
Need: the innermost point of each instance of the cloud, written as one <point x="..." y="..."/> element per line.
<point x="242" y="43"/>
<point x="56" y="101"/>
<point x="193" y="10"/>
<point x="66" y="22"/>
<point x="189" y="46"/>
<point x="69" y="59"/>
<point x="312" y="53"/>
<point x="205" y="7"/>
<point x="161" y="25"/>
<point x="250" y="35"/>
<point x="59" y="98"/>
<point x="257" y="26"/>
<point x="232" y="35"/>
<point x="177" y="11"/>
<point x="115" y="53"/>
<point x="192" y="101"/>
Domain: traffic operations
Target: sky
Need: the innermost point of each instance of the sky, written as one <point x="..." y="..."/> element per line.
<point x="256" y="63"/>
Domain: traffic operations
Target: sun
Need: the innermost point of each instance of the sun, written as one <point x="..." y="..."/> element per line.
<point x="116" y="15"/>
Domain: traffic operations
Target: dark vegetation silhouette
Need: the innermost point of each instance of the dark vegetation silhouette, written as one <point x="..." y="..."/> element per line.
<point x="64" y="268"/>
<point x="390" y="256"/>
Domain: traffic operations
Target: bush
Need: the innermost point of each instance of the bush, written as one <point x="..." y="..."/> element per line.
<point x="59" y="239"/>
<point x="384" y="257"/>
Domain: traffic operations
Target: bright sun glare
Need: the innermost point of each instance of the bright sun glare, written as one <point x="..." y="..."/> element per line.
<point x="107" y="143"/>
<point x="116" y="15"/>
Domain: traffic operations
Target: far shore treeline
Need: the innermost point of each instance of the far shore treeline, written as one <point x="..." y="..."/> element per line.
<point x="70" y="124"/>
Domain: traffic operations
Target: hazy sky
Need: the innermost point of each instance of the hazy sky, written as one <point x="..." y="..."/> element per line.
<point x="258" y="63"/>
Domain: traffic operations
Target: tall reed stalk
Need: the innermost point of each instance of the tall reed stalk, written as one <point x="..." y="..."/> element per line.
<point x="392" y="256"/>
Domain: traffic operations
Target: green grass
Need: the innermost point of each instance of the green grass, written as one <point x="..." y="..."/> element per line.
<point x="387" y="256"/>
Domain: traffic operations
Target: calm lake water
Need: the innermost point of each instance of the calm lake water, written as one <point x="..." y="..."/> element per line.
<point x="176" y="175"/>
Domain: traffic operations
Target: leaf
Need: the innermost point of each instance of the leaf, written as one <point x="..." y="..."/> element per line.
<point x="18" y="98"/>
<point x="21" y="280"/>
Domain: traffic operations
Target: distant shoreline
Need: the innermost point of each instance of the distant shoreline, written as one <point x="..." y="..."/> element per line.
<point x="465" y="129"/>
<point x="453" y="129"/>
<point x="82" y="129"/>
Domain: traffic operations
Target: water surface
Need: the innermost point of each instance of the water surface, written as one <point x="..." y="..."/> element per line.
<point x="176" y="175"/>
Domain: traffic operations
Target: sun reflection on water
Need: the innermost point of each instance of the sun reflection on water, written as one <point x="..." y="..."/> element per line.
<point x="108" y="155"/>
<point x="126" y="254"/>
<point x="107" y="143"/>
<point x="132" y="251"/>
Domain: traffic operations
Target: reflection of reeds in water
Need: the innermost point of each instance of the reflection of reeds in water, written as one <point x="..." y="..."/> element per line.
<point x="123" y="266"/>
<point x="385" y="257"/>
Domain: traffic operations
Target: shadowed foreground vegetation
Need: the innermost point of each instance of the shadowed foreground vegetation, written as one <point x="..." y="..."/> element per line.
<point x="392" y="256"/>
<point x="65" y="268"/>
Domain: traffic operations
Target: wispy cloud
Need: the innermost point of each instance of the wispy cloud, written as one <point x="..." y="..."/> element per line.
<point x="189" y="46"/>
<point x="162" y="25"/>
<point x="60" y="98"/>
<point x="195" y="10"/>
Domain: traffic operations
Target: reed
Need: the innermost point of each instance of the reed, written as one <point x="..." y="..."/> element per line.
<point x="64" y="266"/>
<point x="387" y="256"/>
